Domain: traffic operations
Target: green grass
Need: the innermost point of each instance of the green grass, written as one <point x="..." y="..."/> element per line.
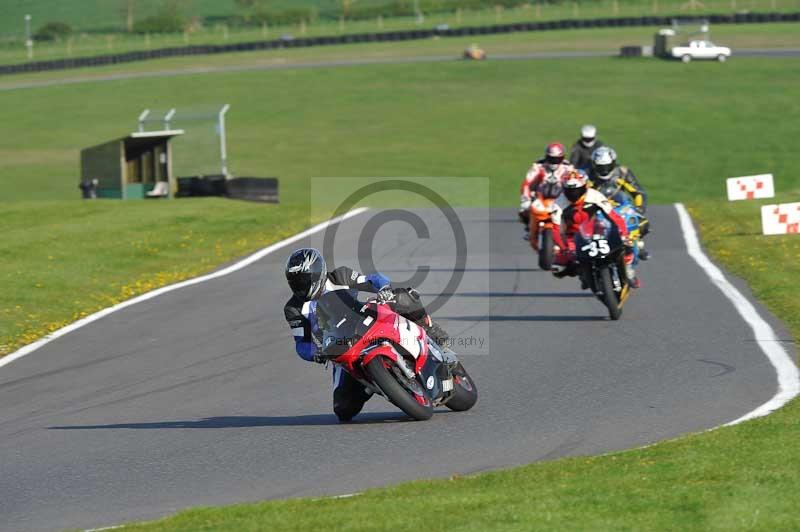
<point x="683" y="128"/>
<point x="105" y="14"/>
<point x="64" y="259"/>
<point x="770" y="264"/>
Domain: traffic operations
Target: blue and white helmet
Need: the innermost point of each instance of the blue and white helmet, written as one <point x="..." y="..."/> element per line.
<point x="604" y="160"/>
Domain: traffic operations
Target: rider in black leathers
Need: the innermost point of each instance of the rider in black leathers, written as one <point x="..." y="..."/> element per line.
<point x="309" y="278"/>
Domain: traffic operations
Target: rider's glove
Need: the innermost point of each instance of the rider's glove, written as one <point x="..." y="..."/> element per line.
<point x="319" y="359"/>
<point x="385" y="295"/>
<point x="524" y="203"/>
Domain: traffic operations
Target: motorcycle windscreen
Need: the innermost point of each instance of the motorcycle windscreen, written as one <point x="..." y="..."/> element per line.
<point x="341" y="320"/>
<point x="621" y="197"/>
<point x="550" y="188"/>
<point x="597" y="239"/>
<point x="596" y="225"/>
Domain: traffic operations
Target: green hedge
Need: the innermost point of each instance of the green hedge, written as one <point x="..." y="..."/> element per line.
<point x="53" y="31"/>
<point x="389" y="8"/>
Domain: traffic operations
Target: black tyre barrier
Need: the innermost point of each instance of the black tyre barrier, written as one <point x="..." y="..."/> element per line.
<point x="630" y="51"/>
<point x="144" y="55"/>
<point x="211" y="185"/>
<point x="263" y="189"/>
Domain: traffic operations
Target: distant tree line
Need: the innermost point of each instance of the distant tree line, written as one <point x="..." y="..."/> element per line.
<point x="176" y="15"/>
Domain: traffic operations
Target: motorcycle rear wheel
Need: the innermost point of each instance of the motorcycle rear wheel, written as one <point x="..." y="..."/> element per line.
<point x="402" y="397"/>
<point x="465" y="392"/>
<point x="546" y="251"/>
<point x="609" y="295"/>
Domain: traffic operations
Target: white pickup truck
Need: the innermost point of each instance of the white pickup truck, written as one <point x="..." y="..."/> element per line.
<point x="701" y="50"/>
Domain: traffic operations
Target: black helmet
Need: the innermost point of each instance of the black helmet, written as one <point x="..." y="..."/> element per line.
<point x="306" y="272"/>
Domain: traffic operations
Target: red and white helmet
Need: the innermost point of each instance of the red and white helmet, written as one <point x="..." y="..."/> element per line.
<point x="575" y="185"/>
<point x="554" y="154"/>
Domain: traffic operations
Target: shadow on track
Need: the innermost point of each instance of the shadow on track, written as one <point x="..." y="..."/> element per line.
<point x="449" y="270"/>
<point x="557" y="295"/>
<point x="522" y="318"/>
<point x="230" y="422"/>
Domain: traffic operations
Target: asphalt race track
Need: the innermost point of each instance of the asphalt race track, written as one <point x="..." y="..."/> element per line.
<point x="197" y="398"/>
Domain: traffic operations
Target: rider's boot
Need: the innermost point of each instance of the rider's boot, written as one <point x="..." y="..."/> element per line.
<point x="435" y="332"/>
<point x="630" y="273"/>
<point x="643" y="253"/>
<point x="525" y="219"/>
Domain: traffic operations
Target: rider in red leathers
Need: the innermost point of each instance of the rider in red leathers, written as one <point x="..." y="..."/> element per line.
<point x="584" y="202"/>
<point x="552" y="167"/>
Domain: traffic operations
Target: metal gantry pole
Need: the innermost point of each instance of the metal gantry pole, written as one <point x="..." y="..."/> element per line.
<point x="223" y="150"/>
<point x="142" y="118"/>
<point x="28" y="38"/>
<point x="168" y="117"/>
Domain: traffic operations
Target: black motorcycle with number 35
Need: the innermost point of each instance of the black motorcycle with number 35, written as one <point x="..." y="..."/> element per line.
<point x="600" y="251"/>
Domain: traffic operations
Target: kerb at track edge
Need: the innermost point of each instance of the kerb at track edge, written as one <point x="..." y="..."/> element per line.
<point x="765" y="337"/>
<point x="258" y="255"/>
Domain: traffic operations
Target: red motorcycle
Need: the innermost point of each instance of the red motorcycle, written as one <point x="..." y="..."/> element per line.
<point x="543" y="207"/>
<point x="392" y="356"/>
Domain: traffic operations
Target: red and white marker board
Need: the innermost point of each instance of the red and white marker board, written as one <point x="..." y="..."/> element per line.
<point x="750" y="187"/>
<point x="781" y="219"/>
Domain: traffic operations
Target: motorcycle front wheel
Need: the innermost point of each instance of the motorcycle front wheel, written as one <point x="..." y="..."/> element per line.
<point x="609" y="295"/>
<point x="408" y="397"/>
<point x="465" y="393"/>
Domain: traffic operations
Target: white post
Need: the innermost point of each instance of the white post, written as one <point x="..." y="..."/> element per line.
<point x="223" y="150"/>
<point x="142" y="118"/>
<point x="28" y="39"/>
<point x="168" y="117"/>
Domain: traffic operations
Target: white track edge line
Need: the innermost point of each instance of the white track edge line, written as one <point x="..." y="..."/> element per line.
<point x="785" y="368"/>
<point x="258" y="255"/>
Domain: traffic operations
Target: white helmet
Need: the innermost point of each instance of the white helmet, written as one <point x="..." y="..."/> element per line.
<point x="604" y="160"/>
<point x="588" y="135"/>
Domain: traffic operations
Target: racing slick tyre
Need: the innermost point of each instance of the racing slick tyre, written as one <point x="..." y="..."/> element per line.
<point x="465" y="392"/>
<point x="546" y="251"/>
<point x="410" y="398"/>
<point x="609" y="295"/>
